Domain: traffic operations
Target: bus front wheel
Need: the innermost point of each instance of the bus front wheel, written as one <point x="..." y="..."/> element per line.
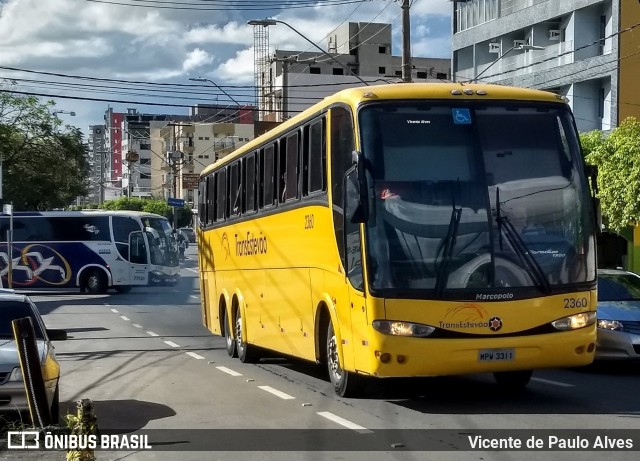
<point x="345" y="383"/>
<point x="513" y="380"/>
<point x="96" y="282"/>
<point x="246" y="352"/>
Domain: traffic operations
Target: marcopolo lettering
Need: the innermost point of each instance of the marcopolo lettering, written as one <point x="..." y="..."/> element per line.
<point x="251" y="245"/>
<point x="493" y="297"/>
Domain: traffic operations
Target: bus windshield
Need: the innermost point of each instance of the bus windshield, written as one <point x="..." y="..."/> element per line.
<point x="162" y="245"/>
<point x="476" y="197"/>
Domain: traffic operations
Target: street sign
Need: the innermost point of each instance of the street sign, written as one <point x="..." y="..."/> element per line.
<point x="175" y="202"/>
<point x="190" y="180"/>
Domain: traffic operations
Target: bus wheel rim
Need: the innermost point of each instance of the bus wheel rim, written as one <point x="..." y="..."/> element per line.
<point x="239" y="333"/>
<point x="332" y="356"/>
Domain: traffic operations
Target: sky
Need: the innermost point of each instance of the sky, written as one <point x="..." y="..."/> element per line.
<point x="125" y="52"/>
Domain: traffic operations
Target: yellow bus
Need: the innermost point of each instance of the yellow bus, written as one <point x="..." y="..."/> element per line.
<point x="406" y="230"/>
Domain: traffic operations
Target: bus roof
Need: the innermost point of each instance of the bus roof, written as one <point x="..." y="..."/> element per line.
<point x="400" y="91"/>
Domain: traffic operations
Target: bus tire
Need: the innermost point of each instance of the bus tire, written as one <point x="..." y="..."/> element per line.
<point x="345" y="383"/>
<point x="96" y="282"/>
<point x="230" y="341"/>
<point x="246" y="352"/>
<point x="513" y="380"/>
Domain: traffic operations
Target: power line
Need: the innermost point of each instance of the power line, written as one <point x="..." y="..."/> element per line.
<point x="231" y="5"/>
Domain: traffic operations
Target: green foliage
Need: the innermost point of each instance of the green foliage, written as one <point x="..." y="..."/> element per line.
<point x="44" y="164"/>
<point x="617" y="157"/>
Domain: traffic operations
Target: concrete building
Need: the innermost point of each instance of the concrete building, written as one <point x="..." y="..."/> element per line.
<point x="291" y="81"/>
<point x="576" y="48"/>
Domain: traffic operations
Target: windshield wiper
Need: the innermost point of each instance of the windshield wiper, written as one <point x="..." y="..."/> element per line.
<point x="447" y="251"/>
<point x="531" y="265"/>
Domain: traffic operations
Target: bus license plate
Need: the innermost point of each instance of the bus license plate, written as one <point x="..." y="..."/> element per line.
<point x="496" y="355"/>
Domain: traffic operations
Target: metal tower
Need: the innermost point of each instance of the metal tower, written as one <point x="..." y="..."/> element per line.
<point x="261" y="66"/>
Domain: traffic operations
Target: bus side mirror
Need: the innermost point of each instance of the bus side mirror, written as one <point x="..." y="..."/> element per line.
<point x="592" y="174"/>
<point x="355" y="192"/>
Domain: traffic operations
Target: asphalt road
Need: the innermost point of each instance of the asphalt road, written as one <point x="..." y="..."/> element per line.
<point x="150" y="367"/>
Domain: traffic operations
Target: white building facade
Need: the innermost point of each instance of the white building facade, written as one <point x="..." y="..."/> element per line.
<point x="568" y="47"/>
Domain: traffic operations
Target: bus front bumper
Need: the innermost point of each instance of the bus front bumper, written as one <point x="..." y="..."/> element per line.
<point x="394" y="356"/>
<point x="157" y="278"/>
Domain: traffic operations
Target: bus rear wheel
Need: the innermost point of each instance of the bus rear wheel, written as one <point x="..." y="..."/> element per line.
<point x="513" y="380"/>
<point x="231" y="342"/>
<point x="246" y="352"/>
<point x="345" y="383"/>
<point x="96" y="282"/>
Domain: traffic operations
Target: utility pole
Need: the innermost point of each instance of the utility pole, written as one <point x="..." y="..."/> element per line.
<point x="406" y="43"/>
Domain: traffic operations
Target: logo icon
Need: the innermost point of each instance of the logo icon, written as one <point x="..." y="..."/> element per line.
<point x="225" y="245"/>
<point x="495" y="323"/>
<point x="23" y="440"/>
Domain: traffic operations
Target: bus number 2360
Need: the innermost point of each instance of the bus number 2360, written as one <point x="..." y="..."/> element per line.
<point x="308" y="221"/>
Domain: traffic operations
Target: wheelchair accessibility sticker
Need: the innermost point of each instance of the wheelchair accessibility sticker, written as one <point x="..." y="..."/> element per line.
<point x="461" y="116"/>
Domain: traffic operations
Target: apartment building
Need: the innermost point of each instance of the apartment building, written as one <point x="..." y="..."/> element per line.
<point x="292" y="81"/>
<point x="577" y="48"/>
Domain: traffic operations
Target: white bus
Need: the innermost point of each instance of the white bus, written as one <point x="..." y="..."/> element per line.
<point x="92" y="250"/>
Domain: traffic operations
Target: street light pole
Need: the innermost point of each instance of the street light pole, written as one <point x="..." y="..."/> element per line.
<point x="272" y="22"/>
<point x="406" y="42"/>
<point x="202" y="79"/>
<point x="519" y="47"/>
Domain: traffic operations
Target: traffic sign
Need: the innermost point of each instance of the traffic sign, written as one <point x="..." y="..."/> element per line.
<point x="175" y="202"/>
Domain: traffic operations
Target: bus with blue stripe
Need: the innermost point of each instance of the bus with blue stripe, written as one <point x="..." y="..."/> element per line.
<point x="90" y="250"/>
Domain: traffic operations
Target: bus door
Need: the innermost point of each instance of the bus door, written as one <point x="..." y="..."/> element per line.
<point x="138" y="259"/>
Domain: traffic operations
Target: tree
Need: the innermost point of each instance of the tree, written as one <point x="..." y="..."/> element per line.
<point x="43" y="167"/>
<point x="160" y="207"/>
<point x="617" y="157"/>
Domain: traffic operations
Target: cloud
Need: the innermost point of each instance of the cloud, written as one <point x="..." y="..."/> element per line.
<point x="77" y="37"/>
<point x="196" y="59"/>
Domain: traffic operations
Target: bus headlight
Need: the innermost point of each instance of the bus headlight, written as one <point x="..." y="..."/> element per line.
<point x="396" y="328"/>
<point x="614" y="325"/>
<point x="573" y="322"/>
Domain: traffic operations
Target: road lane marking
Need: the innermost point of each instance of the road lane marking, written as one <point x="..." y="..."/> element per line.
<point x="555" y="383"/>
<point x="192" y="270"/>
<point x="195" y="356"/>
<point x="136" y="325"/>
<point x="115" y="311"/>
<point x="151" y="333"/>
<point x="172" y="344"/>
<point x="276" y="392"/>
<point x="229" y="371"/>
<point x="126" y="319"/>
<point x="343" y="422"/>
<point x="195" y="297"/>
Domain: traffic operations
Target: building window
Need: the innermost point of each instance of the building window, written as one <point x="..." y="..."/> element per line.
<point x="382" y="70"/>
<point x="441" y="76"/>
<point x="398" y="73"/>
<point x="144" y="146"/>
<point x="601" y="103"/>
<point x="382" y="49"/>
<point x="338" y="71"/>
<point x="314" y="70"/>
<point x="421" y="75"/>
<point x="199" y="138"/>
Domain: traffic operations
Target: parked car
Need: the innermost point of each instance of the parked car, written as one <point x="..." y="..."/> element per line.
<point x="190" y="233"/>
<point x="618" y="315"/>
<point x="12" y="390"/>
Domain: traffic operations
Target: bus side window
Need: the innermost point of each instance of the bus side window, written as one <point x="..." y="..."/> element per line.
<point x="249" y="182"/>
<point x="210" y="215"/>
<point x="314" y="159"/>
<point x="235" y="189"/>
<point x="221" y="194"/>
<point x="342" y="146"/>
<point x="282" y="169"/>
<point x="267" y="176"/>
<point x="292" y="159"/>
<point x="137" y="248"/>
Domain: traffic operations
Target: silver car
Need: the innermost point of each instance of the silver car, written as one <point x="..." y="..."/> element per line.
<point x="618" y="315"/>
<point x="12" y="390"/>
